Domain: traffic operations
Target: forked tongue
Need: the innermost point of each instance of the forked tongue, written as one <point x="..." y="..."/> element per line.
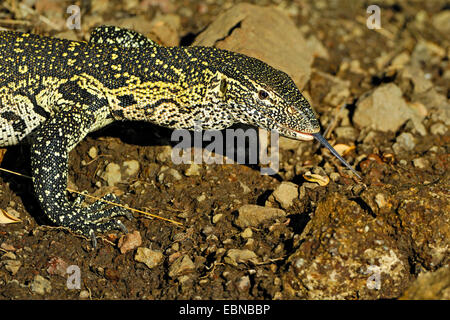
<point x="325" y="143"/>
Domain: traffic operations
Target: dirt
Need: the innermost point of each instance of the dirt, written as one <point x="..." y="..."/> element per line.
<point x="332" y="241"/>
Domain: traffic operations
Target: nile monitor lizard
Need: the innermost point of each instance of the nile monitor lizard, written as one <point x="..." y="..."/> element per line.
<point x="54" y="92"/>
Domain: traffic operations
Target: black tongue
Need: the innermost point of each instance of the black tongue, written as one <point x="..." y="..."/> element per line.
<point x="325" y="143"/>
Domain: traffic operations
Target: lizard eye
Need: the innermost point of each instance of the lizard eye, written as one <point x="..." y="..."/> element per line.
<point x="262" y="94"/>
<point x="223" y="86"/>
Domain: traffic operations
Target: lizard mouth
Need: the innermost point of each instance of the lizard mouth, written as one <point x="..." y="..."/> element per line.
<point x="301" y="135"/>
<point x="310" y="136"/>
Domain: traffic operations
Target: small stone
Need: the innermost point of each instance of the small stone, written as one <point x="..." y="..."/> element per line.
<point x="285" y="194"/>
<point x="201" y="197"/>
<point x="9" y="255"/>
<point x="217" y="217"/>
<point x="346" y="132"/>
<point x="441" y="21"/>
<point x="253" y="215"/>
<point x="7" y="247"/>
<point x="236" y="256"/>
<point x="243" y="283"/>
<point x="164" y="171"/>
<point x="84" y="294"/>
<point x="130" y="241"/>
<point x="151" y="258"/>
<point x="380" y="200"/>
<point x="175" y="174"/>
<point x="40" y="285"/>
<point x="192" y="170"/>
<point x="112" y="174"/>
<point x="438" y="129"/>
<point x="57" y="265"/>
<point x="165" y="154"/>
<point x="250" y="244"/>
<point x="405" y="141"/>
<point x="12" y="266"/>
<point x="247" y="233"/>
<point x="334" y="176"/>
<point x="401" y="60"/>
<point x="421" y="163"/>
<point x="245" y="188"/>
<point x="132" y="167"/>
<point x="180" y="266"/>
<point x="93" y="153"/>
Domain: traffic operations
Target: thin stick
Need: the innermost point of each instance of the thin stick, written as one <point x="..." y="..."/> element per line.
<point x="106" y="201"/>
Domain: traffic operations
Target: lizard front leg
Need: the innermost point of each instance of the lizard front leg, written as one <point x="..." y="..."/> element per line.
<point x="49" y="161"/>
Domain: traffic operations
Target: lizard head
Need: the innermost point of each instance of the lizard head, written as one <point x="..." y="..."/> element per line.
<point x="268" y="98"/>
<point x="265" y="97"/>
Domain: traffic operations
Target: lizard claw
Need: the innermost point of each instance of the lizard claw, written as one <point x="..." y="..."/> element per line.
<point x="122" y="226"/>
<point x="93" y="238"/>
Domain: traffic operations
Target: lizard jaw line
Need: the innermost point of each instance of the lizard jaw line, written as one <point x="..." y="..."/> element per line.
<point x="301" y="135"/>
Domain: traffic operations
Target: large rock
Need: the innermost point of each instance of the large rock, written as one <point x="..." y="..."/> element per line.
<point x="430" y="286"/>
<point x="264" y="33"/>
<point x="383" y="109"/>
<point x="368" y="249"/>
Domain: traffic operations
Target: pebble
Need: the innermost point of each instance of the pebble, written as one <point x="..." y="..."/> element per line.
<point x="57" y="265"/>
<point x="93" y="153"/>
<point x="40" y="285"/>
<point x="151" y="258"/>
<point x="441" y="21"/>
<point x="165" y="154"/>
<point x="129" y="242"/>
<point x="201" y="197"/>
<point x="217" y="217"/>
<point x="252" y="215"/>
<point x="180" y="266"/>
<point x="334" y="176"/>
<point x="112" y="174"/>
<point x="405" y="141"/>
<point x="346" y="132"/>
<point x="247" y="233"/>
<point x="380" y="200"/>
<point x="192" y="170"/>
<point x="235" y="256"/>
<point x="12" y="266"/>
<point x="132" y="167"/>
<point x="243" y="283"/>
<point x="84" y="294"/>
<point x="245" y="188"/>
<point x="285" y="194"/>
<point x="165" y="170"/>
<point x="438" y="129"/>
<point x="421" y="163"/>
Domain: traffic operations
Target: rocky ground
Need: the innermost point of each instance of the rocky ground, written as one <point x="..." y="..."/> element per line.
<point x="312" y="231"/>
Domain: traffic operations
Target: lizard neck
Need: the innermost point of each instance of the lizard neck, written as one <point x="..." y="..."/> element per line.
<point x="167" y="86"/>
